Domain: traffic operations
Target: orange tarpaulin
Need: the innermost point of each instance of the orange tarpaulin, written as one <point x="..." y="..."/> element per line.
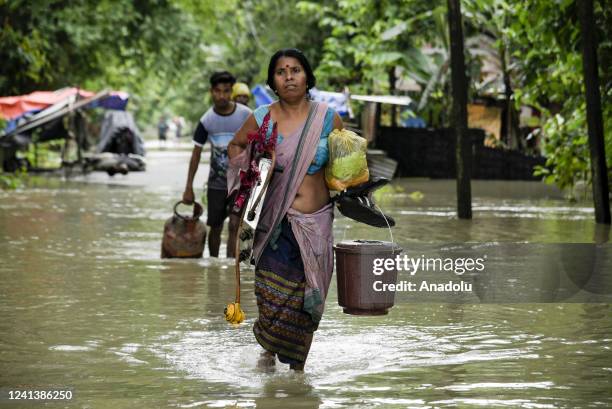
<point x="12" y="107"/>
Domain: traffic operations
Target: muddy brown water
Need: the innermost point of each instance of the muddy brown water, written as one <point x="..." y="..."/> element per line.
<point x="87" y="304"/>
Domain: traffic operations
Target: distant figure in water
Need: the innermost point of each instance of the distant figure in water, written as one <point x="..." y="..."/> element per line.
<point x="179" y="124"/>
<point x="162" y="128"/>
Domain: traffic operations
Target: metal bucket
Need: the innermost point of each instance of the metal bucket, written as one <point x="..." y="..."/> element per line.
<point x="184" y="236"/>
<point x="355" y="276"/>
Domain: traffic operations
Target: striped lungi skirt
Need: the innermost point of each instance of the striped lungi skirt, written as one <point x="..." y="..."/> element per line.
<point x="282" y="325"/>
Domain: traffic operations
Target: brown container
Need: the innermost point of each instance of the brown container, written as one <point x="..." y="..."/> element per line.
<point x="184" y="236"/>
<point x="355" y="276"/>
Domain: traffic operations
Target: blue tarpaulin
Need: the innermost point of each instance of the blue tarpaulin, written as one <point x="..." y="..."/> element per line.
<point x="262" y="96"/>
<point x="115" y="100"/>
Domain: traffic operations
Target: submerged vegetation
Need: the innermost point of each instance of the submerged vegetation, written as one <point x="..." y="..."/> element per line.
<point x="11" y="181"/>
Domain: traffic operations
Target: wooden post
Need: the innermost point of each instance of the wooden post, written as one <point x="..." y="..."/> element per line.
<point x="377" y="117"/>
<point x="459" y="117"/>
<point x="599" y="169"/>
<point x="79" y="126"/>
<point x="36" y="153"/>
<point x="392" y="80"/>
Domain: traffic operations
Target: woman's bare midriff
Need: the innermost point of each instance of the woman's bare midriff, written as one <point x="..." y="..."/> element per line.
<point x="312" y="194"/>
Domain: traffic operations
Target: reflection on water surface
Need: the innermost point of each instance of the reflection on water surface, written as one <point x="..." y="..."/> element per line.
<point x="87" y="303"/>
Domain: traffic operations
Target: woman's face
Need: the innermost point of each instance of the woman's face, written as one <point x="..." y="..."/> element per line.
<point x="290" y="78"/>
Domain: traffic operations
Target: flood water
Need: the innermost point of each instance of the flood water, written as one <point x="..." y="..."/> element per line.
<point x="87" y="304"/>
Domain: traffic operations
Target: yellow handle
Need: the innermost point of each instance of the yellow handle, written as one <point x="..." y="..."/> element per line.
<point x="234" y="314"/>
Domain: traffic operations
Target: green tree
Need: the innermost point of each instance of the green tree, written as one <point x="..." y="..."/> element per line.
<point x="368" y="38"/>
<point x="544" y="38"/>
<point x="58" y="43"/>
<point x="241" y="36"/>
<point x="534" y="43"/>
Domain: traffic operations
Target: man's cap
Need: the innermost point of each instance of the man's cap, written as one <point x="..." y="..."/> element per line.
<point x="240" y="88"/>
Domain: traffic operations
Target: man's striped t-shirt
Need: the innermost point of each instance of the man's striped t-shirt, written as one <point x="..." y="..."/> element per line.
<point x="219" y="130"/>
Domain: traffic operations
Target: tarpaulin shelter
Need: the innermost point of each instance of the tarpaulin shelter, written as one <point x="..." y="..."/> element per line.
<point x="119" y="134"/>
<point x="339" y="101"/>
<point x="15" y="106"/>
<point x="17" y="109"/>
<point x="53" y="108"/>
<point x="121" y="148"/>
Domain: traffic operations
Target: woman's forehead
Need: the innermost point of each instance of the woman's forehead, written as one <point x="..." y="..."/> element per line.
<point x="285" y="62"/>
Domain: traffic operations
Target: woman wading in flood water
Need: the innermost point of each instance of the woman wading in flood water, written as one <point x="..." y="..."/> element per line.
<point x="292" y="249"/>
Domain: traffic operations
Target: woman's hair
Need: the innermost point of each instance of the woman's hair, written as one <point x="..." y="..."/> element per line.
<point x="298" y="55"/>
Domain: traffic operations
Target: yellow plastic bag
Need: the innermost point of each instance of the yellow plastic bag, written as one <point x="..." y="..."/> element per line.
<point x="347" y="165"/>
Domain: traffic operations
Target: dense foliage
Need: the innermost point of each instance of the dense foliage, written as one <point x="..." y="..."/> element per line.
<point x="160" y="51"/>
<point x="545" y="40"/>
<point x="163" y="51"/>
<point x="535" y="44"/>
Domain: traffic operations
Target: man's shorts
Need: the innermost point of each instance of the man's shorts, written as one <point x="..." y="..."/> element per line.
<point x="218" y="207"/>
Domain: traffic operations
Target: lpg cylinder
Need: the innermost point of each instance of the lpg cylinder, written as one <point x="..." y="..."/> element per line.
<point x="184" y="236"/>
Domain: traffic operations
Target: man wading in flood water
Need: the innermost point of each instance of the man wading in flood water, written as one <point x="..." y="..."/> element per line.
<point x="218" y="125"/>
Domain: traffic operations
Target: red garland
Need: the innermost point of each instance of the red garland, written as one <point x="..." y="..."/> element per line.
<point x="259" y="146"/>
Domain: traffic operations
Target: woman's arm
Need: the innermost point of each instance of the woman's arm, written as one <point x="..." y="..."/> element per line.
<point x="240" y="141"/>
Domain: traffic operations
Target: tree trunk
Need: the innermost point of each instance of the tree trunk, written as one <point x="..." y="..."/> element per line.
<point x="594" y="115"/>
<point x="459" y="118"/>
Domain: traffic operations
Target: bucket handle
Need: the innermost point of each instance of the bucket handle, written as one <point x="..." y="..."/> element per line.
<point x="197" y="211"/>
<point x="388" y="225"/>
<point x="383" y="215"/>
